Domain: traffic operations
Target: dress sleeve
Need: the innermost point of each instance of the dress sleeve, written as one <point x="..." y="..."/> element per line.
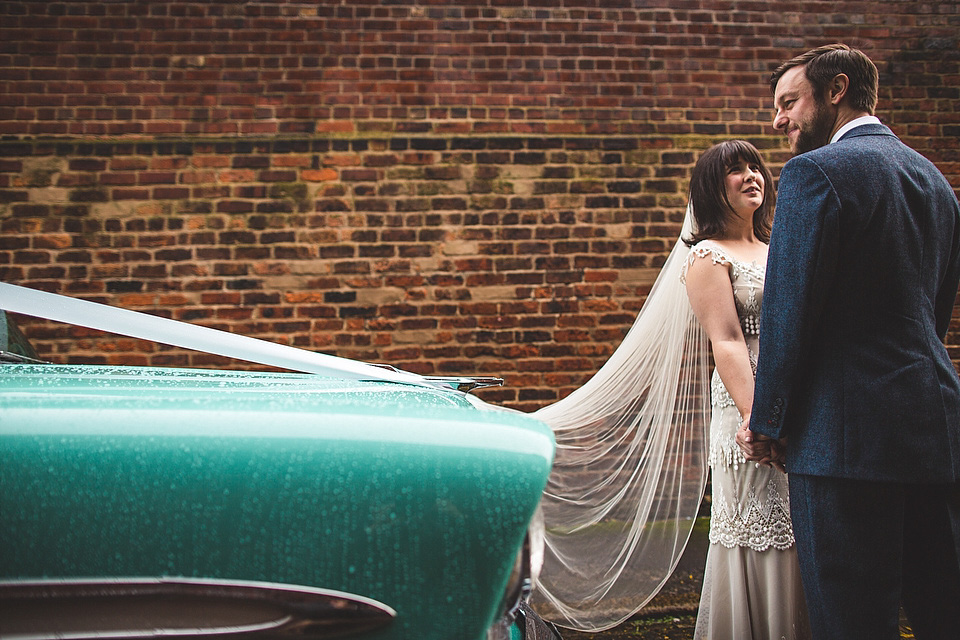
<point x="703" y="249"/>
<point x="801" y="263"/>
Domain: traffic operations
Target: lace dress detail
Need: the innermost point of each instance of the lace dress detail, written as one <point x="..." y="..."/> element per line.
<point x="763" y="523"/>
<point x="751" y="534"/>
<point x="749" y="504"/>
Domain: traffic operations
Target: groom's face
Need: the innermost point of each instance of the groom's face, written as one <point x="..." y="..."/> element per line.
<point x="806" y="121"/>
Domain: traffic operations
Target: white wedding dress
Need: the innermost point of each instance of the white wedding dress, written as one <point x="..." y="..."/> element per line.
<point x="751" y="585"/>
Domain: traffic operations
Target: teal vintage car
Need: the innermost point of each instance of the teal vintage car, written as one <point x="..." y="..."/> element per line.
<point x="144" y="502"/>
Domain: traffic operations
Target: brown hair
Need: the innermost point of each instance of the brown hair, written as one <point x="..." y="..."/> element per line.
<point x="708" y="193"/>
<point x="823" y="64"/>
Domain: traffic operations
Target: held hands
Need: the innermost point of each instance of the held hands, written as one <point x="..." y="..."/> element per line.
<point x="759" y="448"/>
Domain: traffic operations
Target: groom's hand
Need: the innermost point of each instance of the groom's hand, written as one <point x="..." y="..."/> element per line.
<point x="778" y="455"/>
<point x="759" y="448"/>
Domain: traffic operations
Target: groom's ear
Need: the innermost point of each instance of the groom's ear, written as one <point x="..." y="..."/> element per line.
<point x="837" y="88"/>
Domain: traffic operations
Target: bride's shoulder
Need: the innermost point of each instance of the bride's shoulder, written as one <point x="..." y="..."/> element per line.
<point x="709" y="248"/>
<point x="704" y="249"/>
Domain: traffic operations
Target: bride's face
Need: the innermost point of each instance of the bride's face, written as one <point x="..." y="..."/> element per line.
<point x="744" y="188"/>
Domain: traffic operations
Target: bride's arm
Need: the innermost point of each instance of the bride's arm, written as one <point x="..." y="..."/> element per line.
<point x="711" y="296"/>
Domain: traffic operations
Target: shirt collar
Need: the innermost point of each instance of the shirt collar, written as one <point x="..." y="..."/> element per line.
<point x="856" y="122"/>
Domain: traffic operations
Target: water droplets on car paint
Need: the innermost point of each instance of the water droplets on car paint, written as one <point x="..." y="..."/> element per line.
<point x="235" y="491"/>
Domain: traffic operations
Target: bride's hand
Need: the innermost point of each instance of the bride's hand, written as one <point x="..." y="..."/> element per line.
<point x="748" y="442"/>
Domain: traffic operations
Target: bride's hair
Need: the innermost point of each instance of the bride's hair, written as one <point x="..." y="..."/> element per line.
<point x="708" y="193"/>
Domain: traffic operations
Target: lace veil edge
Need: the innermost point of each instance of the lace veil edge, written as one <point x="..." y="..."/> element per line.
<point x="631" y="464"/>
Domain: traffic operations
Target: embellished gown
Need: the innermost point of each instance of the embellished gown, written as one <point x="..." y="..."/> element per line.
<point x="751" y="585"/>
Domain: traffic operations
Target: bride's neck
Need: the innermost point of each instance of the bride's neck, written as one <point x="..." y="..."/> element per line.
<point x="739" y="231"/>
<point x="739" y="236"/>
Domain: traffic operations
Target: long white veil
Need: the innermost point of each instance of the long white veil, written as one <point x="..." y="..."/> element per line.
<point x="631" y="465"/>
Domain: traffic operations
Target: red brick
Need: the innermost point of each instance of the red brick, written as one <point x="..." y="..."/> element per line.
<point x="318" y="175"/>
<point x="444" y="164"/>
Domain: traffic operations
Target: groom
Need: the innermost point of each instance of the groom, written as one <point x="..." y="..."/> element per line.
<point x="853" y="377"/>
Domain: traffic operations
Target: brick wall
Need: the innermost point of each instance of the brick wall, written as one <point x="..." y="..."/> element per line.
<point x="482" y="186"/>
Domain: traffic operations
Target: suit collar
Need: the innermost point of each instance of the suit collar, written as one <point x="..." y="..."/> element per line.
<point x="868" y="130"/>
<point x="853" y="124"/>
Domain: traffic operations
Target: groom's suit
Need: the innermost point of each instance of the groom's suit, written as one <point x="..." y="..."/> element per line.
<point x="862" y="276"/>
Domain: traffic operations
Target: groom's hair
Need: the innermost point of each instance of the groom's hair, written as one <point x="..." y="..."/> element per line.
<point x="708" y="191"/>
<point x="823" y="64"/>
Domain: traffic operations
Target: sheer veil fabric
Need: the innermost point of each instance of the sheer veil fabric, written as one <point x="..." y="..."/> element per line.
<point x="631" y="464"/>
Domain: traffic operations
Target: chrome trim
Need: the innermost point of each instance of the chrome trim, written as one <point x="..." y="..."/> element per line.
<point x="9" y="357"/>
<point x="458" y="383"/>
<point x="181" y="608"/>
<point x="466" y="383"/>
<point x="523" y="578"/>
<point x="537" y="537"/>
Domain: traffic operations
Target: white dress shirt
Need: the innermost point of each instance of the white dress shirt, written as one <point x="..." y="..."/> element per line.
<point x="856" y="122"/>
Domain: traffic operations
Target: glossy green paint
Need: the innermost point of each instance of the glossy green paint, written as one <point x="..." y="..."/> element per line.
<point x="418" y="498"/>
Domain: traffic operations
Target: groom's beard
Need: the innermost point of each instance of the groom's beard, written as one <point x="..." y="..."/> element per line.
<point x="816" y="132"/>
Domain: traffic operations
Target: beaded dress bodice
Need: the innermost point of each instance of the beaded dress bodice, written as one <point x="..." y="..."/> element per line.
<point x="750" y="504"/>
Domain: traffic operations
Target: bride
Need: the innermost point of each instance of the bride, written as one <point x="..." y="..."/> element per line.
<point x="631" y="455"/>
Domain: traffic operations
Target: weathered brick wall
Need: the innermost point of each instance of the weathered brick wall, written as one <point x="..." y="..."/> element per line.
<point x="482" y="186"/>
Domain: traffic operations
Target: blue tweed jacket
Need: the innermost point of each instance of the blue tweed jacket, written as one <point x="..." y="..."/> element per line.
<point x="862" y="276"/>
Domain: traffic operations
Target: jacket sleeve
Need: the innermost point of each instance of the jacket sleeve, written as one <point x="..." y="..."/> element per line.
<point x="801" y="265"/>
<point x="947" y="293"/>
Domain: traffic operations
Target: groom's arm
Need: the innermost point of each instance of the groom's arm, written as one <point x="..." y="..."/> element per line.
<point x="801" y="265"/>
<point x="947" y="293"/>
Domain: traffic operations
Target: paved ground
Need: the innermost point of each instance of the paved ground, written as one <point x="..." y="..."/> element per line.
<point x="673" y="622"/>
<point x="672" y="614"/>
<point x="664" y="627"/>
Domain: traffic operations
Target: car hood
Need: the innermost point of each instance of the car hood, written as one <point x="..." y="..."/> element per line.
<point x="415" y="497"/>
<point x="163" y="398"/>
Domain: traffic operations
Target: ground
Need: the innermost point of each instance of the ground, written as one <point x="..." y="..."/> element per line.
<point x="672" y="614"/>
<point x="665" y="625"/>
